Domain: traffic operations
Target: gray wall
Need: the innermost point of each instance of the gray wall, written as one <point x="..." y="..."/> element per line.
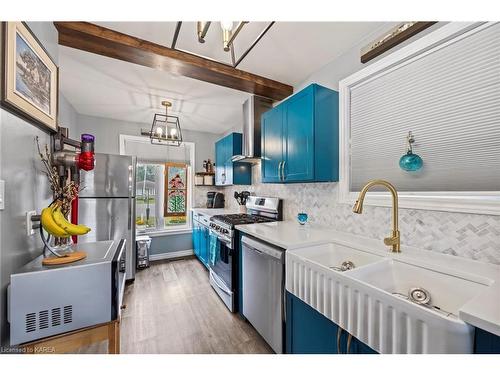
<point x="26" y="188"/>
<point x="107" y="133"/>
<point x="169" y="244"/>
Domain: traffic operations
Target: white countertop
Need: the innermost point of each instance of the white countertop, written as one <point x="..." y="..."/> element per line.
<point x="482" y="311"/>
<point x="213" y="211"/>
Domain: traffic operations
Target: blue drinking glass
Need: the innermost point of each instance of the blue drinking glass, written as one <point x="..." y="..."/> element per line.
<point x="302" y="218"/>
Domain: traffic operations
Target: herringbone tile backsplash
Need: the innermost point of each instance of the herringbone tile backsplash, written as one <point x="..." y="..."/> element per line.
<point x="467" y="235"/>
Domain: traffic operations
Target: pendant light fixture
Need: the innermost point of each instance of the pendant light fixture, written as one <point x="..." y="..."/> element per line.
<point x="166" y="129"/>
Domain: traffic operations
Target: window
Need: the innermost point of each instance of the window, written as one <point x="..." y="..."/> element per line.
<point x="445" y="88"/>
<point x="163" y="184"/>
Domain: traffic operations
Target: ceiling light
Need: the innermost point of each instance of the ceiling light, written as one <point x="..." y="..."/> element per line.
<point x="202" y="29"/>
<point x="227" y="30"/>
<point x="226" y="25"/>
<point x="166" y="129"/>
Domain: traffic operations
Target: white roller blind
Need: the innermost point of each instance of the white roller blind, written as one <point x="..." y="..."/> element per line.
<point x="147" y="152"/>
<point x="450" y="100"/>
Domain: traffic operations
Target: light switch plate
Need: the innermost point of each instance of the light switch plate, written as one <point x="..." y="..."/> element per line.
<point x="2" y="194"/>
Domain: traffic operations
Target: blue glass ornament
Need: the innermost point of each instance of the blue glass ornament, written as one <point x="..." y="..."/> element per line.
<point x="410" y="162"/>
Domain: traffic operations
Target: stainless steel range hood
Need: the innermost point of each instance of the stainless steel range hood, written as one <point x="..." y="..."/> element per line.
<point x="253" y="108"/>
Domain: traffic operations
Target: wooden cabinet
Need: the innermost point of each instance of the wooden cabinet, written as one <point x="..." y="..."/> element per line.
<point x="310" y="332"/>
<point x="228" y="172"/>
<point x="300" y="138"/>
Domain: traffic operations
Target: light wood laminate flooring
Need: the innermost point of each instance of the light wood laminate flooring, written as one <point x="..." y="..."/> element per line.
<point x="171" y="308"/>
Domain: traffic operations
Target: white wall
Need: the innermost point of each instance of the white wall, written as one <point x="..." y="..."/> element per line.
<point x="332" y="73"/>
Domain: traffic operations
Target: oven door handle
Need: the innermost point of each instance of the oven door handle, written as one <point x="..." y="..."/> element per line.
<point x="227" y="242"/>
<point x="217" y="282"/>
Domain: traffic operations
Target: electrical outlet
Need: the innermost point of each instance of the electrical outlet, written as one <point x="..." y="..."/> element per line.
<point x="29" y="224"/>
<point x="2" y="194"/>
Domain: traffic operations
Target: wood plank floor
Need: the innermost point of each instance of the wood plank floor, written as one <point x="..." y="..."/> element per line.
<point x="171" y="308"/>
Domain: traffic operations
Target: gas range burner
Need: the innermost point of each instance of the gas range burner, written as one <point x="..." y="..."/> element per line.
<point x="238" y="219"/>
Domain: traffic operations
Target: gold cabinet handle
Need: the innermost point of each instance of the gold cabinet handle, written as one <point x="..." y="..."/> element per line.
<point x="349" y="339"/>
<point x="339" y="334"/>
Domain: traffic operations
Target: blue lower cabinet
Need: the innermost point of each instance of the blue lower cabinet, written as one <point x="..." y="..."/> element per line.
<point x="196" y="238"/>
<point x="310" y="332"/>
<point x="486" y="342"/>
<point x="359" y="347"/>
<point x="201" y="242"/>
<point x="204" y="244"/>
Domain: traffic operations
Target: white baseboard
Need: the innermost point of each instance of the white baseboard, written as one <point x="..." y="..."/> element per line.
<point x="175" y="254"/>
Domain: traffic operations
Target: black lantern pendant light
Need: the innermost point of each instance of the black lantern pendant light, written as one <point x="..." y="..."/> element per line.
<point x="166" y="129"/>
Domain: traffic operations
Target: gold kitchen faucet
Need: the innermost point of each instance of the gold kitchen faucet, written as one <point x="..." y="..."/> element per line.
<point x="395" y="240"/>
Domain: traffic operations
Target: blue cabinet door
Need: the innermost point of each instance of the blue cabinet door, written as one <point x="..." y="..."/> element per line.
<point x="196" y="238"/>
<point x="219" y="162"/>
<point x="272" y="144"/>
<point x="226" y="171"/>
<point x="204" y="243"/>
<point x="307" y="331"/>
<point x="310" y="332"/>
<point x="486" y="342"/>
<point x="299" y="137"/>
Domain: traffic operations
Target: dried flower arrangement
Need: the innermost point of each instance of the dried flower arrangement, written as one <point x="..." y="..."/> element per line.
<point x="63" y="194"/>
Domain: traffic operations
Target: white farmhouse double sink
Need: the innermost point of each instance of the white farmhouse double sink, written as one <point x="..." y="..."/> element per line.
<point x="371" y="300"/>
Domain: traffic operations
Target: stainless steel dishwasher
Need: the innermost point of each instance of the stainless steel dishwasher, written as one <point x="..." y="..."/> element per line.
<point x="263" y="288"/>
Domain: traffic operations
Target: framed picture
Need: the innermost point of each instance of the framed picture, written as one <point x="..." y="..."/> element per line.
<point x="30" y="76"/>
<point x="175" y="193"/>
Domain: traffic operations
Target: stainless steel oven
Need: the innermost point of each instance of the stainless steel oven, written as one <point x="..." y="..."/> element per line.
<point x="224" y="256"/>
<point x="222" y="268"/>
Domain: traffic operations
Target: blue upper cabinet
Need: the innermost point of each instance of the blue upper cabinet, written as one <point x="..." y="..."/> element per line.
<point x="228" y="172"/>
<point x="272" y="144"/>
<point x="300" y="138"/>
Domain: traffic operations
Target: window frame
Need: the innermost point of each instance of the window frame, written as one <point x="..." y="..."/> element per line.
<point x="467" y="202"/>
<point x="177" y="229"/>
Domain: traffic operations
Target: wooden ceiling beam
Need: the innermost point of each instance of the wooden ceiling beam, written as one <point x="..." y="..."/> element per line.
<point x="106" y="42"/>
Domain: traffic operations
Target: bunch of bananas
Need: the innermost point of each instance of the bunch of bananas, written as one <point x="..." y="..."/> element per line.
<point x="54" y="222"/>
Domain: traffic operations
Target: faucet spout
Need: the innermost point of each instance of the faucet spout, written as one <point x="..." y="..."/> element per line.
<point x="394" y="241"/>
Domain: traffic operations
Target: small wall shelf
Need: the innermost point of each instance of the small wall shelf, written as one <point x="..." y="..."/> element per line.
<point x="203" y="175"/>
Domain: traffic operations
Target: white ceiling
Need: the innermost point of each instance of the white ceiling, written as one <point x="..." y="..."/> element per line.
<point x="105" y="87"/>
<point x="289" y="53"/>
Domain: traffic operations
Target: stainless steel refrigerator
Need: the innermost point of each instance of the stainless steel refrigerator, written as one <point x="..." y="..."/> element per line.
<point x="107" y="203"/>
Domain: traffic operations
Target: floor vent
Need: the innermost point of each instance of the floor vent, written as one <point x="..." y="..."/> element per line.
<point x="30" y="322"/>
<point x="68" y="314"/>
<point x="56" y="316"/>
<point x="43" y="319"/>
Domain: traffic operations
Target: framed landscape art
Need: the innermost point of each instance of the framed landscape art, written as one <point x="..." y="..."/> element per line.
<point x="30" y="76"/>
